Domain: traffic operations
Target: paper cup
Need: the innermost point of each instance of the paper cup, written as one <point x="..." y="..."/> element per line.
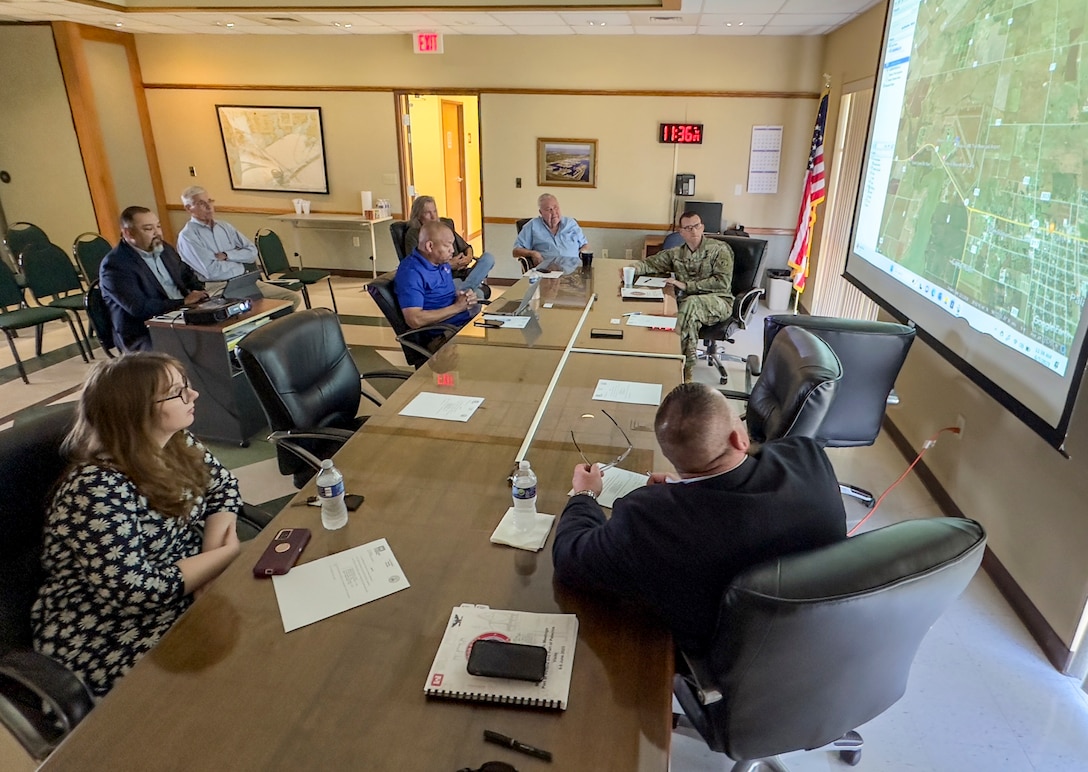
<point x="628" y="275"/>
<point x="305" y="206"/>
<point x="298" y="205"/>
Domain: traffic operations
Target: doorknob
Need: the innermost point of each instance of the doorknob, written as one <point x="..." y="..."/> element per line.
<point x="460" y="179"/>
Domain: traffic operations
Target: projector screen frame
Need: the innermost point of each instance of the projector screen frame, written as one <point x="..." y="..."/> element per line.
<point x="1054" y="434"/>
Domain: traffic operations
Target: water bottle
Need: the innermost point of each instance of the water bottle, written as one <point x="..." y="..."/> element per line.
<point x="524" y="490"/>
<point x="330" y="490"/>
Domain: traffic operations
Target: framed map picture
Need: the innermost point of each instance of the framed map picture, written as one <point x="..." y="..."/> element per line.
<point x="566" y="162"/>
<point x="274" y="148"/>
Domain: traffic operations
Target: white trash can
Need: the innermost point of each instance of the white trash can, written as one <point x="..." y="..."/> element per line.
<point x="779" y="287"/>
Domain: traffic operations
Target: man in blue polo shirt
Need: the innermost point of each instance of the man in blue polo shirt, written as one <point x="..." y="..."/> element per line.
<point x="424" y="282"/>
<point x="551" y="237"/>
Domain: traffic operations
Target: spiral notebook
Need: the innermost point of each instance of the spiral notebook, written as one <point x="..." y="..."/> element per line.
<point x="449" y="676"/>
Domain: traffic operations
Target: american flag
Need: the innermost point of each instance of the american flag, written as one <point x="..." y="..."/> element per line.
<point x="812" y="197"/>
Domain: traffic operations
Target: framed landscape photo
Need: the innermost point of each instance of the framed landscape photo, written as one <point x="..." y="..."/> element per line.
<point x="566" y="162"/>
<point x="274" y="148"/>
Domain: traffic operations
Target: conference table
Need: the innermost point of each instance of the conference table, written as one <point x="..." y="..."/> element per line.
<point x="227" y="688"/>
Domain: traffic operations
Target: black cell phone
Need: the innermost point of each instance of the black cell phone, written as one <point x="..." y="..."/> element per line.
<point x="352" y="501"/>
<point x="605" y="332"/>
<point x="501" y="659"/>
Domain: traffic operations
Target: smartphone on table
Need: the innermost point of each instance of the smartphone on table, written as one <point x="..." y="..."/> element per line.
<point x="282" y="552"/>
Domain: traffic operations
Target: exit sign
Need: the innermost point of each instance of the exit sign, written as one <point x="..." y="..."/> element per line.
<point x="427" y="42"/>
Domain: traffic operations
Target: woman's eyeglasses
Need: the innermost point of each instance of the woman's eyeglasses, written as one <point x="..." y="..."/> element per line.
<point x="586" y="426"/>
<point x="183" y="394"/>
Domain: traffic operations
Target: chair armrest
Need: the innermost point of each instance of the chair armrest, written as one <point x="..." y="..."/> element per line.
<point x="42" y="682"/>
<point x="402" y="338"/>
<point x="746" y="306"/>
<point x="524" y="261"/>
<point x="283" y="440"/>
<point x="699" y="677"/>
<point x="399" y="375"/>
<point x="252" y="520"/>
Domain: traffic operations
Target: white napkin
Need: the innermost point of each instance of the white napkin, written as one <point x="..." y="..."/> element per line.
<point x="532" y="540"/>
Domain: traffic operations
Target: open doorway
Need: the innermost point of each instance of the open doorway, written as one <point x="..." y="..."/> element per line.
<point x="440" y="157"/>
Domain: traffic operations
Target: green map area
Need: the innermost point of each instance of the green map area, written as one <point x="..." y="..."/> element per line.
<point x="987" y="195"/>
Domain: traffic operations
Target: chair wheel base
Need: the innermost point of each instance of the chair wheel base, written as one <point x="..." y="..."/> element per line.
<point x="852" y="758"/>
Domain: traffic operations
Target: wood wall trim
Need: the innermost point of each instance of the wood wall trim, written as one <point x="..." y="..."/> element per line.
<point x="270" y="210"/>
<point x="477" y="91"/>
<point x="664" y="5"/>
<point x="1052" y="645"/>
<point x="640" y="226"/>
<point x="92" y="147"/>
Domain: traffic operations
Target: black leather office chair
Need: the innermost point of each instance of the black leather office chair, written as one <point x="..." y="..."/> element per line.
<point x="99" y="317"/>
<point x="748" y="257"/>
<point x="813" y="645"/>
<point x="398" y="229"/>
<point x="523" y="261"/>
<point x="872" y="354"/>
<point x="801" y="376"/>
<point x="308" y="386"/>
<point x="413" y="342"/>
<point x="41" y="701"/>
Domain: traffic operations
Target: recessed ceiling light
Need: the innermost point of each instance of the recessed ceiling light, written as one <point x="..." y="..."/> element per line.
<point x="118" y="24"/>
<point x="729" y="24"/>
<point x="230" y="25"/>
<point x="664" y="19"/>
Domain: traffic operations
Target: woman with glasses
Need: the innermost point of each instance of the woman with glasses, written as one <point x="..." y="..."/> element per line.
<point x="144" y="518"/>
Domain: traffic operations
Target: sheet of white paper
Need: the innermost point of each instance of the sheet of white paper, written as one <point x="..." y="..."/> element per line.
<point x="649" y="320"/>
<point x="642" y="293"/>
<point x="617" y="483"/>
<point x="323" y="588"/>
<point x="445" y="407"/>
<point x="631" y="392"/>
<point x="510" y="322"/>
<point x="650" y="281"/>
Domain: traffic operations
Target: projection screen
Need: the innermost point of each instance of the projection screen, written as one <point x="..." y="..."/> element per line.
<point x="969" y="220"/>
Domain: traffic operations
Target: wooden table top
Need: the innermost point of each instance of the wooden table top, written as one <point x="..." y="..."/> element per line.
<point x="226" y="687"/>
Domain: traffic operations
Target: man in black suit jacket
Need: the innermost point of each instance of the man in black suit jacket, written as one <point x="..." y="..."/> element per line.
<point x="674" y="545"/>
<point x="144" y="277"/>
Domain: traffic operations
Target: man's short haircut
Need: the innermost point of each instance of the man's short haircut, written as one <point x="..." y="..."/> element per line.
<point x="128" y="217"/>
<point x="430" y="230"/>
<point x="689" y="214"/>
<point x="542" y="198"/>
<point x="190" y="193"/>
<point x="693" y="426"/>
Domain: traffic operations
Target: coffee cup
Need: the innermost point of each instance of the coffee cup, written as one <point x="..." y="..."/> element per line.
<point x="587" y="259"/>
<point x="628" y="276"/>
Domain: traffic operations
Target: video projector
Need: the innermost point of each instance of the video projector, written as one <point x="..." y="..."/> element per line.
<point x="216" y="310"/>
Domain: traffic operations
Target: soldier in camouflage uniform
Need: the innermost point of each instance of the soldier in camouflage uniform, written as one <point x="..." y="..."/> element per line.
<point x="702" y="273"/>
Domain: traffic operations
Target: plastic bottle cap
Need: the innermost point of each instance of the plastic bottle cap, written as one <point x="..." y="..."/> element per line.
<point x="326" y="464"/>
<point x="523" y="464"/>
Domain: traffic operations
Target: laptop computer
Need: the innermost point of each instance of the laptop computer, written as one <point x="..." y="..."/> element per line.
<point x="244" y="286"/>
<point x="514" y="307"/>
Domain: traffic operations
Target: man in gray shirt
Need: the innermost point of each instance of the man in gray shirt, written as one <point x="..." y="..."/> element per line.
<point x="217" y="251"/>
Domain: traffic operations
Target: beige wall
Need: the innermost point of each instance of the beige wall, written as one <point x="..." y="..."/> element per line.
<point x="38" y="145"/>
<point x="636" y="172"/>
<point x="1030" y="499"/>
<point x="107" y="65"/>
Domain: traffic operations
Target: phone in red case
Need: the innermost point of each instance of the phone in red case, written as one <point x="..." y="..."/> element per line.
<point x="282" y="552"/>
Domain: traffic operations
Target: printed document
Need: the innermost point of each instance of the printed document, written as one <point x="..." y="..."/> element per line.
<point x="617" y="483"/>
<point x="649" y="320"/>
<point x="445" y="407"/>
<point x="650" y="281"/>
<point x="631" y="392"/>
<point x="323" y="588"/>
<point x="507" y="321"/>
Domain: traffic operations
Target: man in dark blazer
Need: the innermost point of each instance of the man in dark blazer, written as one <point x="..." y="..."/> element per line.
<point x="143" y="277"/>
<point x="673" y="546"/>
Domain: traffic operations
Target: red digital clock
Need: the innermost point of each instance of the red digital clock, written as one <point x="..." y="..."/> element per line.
<point x="681" y="133"/>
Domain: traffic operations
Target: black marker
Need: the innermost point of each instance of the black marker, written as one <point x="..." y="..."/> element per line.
<point x="509" y="742"/>
<point x="487" y="324"/>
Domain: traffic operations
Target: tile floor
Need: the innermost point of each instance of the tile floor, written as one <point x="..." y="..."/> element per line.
<point x="981" y="695"/>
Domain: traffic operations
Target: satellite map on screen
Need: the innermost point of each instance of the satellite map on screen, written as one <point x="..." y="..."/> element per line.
<point x="986" y="193"/>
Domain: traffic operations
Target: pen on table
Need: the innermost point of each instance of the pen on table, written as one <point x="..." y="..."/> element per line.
<point x="510" y="742"/>
<point x="632" y="313"/>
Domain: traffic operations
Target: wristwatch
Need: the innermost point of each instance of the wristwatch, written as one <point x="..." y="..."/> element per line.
<point x="591" y="494"/>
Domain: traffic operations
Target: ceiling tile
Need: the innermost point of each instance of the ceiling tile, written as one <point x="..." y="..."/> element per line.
<point x="543" y="30"/>
<point x="523" y="20"/>
<point x="808" y="19"/>
<point x="742" y="6"/>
